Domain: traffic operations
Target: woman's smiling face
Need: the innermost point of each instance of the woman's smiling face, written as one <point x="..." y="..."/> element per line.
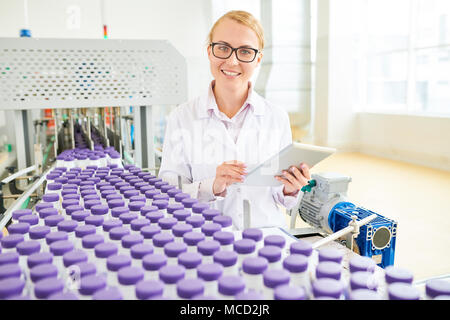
<point x="232" y="73"/>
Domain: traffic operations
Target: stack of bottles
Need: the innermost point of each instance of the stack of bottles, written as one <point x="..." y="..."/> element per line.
<point x="109" y="232"/>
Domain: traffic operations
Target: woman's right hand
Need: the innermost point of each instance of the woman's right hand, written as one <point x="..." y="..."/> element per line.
<point x="228" y="173"/>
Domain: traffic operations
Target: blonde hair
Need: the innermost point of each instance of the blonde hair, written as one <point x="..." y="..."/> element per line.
<point x="242" y="17"/>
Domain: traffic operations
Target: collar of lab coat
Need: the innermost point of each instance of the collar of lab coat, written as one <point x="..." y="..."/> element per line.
<point x="208" y="102"/>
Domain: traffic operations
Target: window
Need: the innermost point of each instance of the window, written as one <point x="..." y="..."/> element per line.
<point x="403" y="65"/>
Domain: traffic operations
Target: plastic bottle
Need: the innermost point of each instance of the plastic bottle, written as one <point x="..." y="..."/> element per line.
<point x="138" y="251"/>
<point x="230" y="286"/>
<point x="159" y="240"/>
<point x="363" y="280"/>
<point x="20" y="228"/>
<point x="330" y="254"/>
<point x="96" y="221"/>
<point x="147" y="289"/>
<point x="90" y="285"/>
<point x="58" y="249"/>
<point x="228" y="260"/>
<point x="192" y="239"/>
<point x="198" y="208"/>
<point x="130" y="240"/>
<point x="166" y="224"/>
<point x="255" y="235"/>
<point x="69" y="227"/>
<point x="53" y="198"/>
<point x="360" y="263"/>
<point x="327" y="288"/>
<point x="273" y="255"/>
<point x="403" y="291"/>
<point x="154" y="217"/>
<point x="114" y="263"/>
<point x="244" y="248"/>
<point x="10" y="242"/>
<point x="128" y="277"/>
<point x="80" y="216"/>
<point x="25" y="249"/>
<point x="116" y="234"/>
<point x="162" y="206"/>
<point x="196" y="221"/>
<point x="172" y="193"/>
<point x="19" y="213"/>
<point x="188" y="288"/>
<point x="109" y="293"/>
<point x="11" y="271"/>
<point x="89" y="242"/>
<point x="181" y="215"/>
<point x="152" y="263"/>
<point x="328" y="269"/>
<point x="137" y="224"/>
<point x="364" y="294"/>
<point x="170" y="275"/>
<point x="207" y="248"/>
<point x="172" y="250"/>
<point x="275" y="240"/>
<point x="209" y="229"/>
<point x="38" y="233"/>
<point x="188" y="203"/>
<point x="179" y="230"/>
<point x="225" y="238"/>
<point x="225" y="222"/>
<point x="56" y="188"/>
<point x="393" y="275"/>
<point x="210" y="214"/>
<point x="102" y="252"/>
<point x="289" y="292"/>
<point x="253" y="269"/>
<point x="436" y="288"/>
<point x="11" y="287"/>
<point x="190" y="261"/>
<point x="149" y="232"/>
<point x="117" y="211"/>
<point x="47" y="287"/>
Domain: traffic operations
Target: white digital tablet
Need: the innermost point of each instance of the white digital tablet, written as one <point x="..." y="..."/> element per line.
<point x="294" y="154"/>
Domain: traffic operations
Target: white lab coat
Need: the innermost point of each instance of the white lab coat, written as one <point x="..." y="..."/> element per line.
<point x="196" y="142"/>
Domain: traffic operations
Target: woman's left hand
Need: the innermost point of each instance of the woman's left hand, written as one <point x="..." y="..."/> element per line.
<point x="294" y="179"/>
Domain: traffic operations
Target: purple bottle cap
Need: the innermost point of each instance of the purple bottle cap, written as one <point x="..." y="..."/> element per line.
<point x="149" y="194"/>
<point x="50" y="197"/>
<point x="62" y="180"/>
<point x="159" y="184"/>
<point x="274" y="278"/>
<point x="167" y="223"/>
<point x="91" y="284"/>
<point x="287" y="292"/>
<point x="27" y="248"/>
<point x="327" y="287"/>
<point x="42" y="205"/>
<point x="90" y="203"/>
<point x="67" y="225"/>
<point x="43" y="271"/>
<point x="253" y="234"/>
<point x="361" y="263"/>
<point x="136" y="205"/>
<point x="255" y="265"/>
<point x="181" y="214"/>
<point x="72" y="209"/>
<point x="208" y="247"/>
<point x="437" y="287"/>
<point x="47" y="212"/>
<point x="328" y="269"/>
<point x="167" y="187"/>
<point x="127" y="217"/>
<point x="180" y="229"/>
<point x="139" y="185"/>
<point x="195" y="221"/>
<point x="74" y="256"/>
<point x="118" y="233"/>
<point x="171" y="274"/>
<point x="54" y="186"/>
<point x="69" y="194"/>
<point x="139" y="223"/>
<point x="403" y="291"/>
<point x="116" y="212"/>
<point x="395" y="274"/>
<point x="80" y="215"/>
<point x="105" y="193"/>
<point x="111" y="223"/>
<point x="31" y="219"/>
<point x="59" y="248"/>
<point x="130" y="275"/>
<point x="91" y="240"/>
<point x="193" y="238"/>
<point x="147" y="209"/>
<point x="89" y="191"/>
<point x="149" y="288"/>
<point x="11" y="241"/>
<point x="161" y="239"/>
<point x="105" y="250"/>
<point x="174" y="249"/>
<point x="82" y="231"/>
<point x="154" y="216"/>
<point x="190" y="260"/>
<point x="99" y="209"/>
<point x="154" y="180"/>
<point x="330" y="254"/>
<point x="19" y="227"/>
<point x="111" y="293"/>
<point x="210" y="228"/>
<point x="10" y="271"/>
<point x="76" y="181"/>
<point x="70" y="202"/>
<point x="199" y="207"/>
<point x="117" y="262"/>
<point x="364" y="294"/>
<point x="115" y="203"/>
<point x="225" y="258"/>
<point x="131" y="239"/>
<point x="149" y="231"/>
<point x="188" y="202"/>
<point x="138" y="251"/>
<point x="86" y="268"/>
<point x="301" y="247"/>
<point x="295" y="263"/>
<point x="63" y="296"/>
<point x="275" y="240"/>
<point x="94" y="220"/>
<point x="8" y="257"/>
<point x="231" y="285"/>
<point x="244" y="246"/>
<point x="39" y="258"/>
<point x="271" y="253"/>
<point x="154" y="261"/>
<point x="21" y="212"/>
<point x="180" y="196"/>
<point x="161" y="196"/>
<point x="224" y="237"/>
<point x="224" y="221"/>
<point x="130" y="193"/>
<point x="171" y="208"/>
<point x="188" y="288"/>
<point x="161" y="204"/>
<point x="209" y="214"/>
<point x="172" y="192"/>
<point x="363" y="280"/>
<point x="144" y="189"/>
<point x="250" y="295"/>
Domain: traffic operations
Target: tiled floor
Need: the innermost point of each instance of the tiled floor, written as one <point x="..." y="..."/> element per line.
<point x="417" y="197"/>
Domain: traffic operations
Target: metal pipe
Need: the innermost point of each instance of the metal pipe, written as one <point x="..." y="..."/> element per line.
<point x="343" y="232"/>
<point x="18" y="174"/>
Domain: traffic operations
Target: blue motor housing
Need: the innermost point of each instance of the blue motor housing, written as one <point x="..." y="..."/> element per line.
<point x="376" y="239"/>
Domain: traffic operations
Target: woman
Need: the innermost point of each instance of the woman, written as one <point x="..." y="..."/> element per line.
<point x="212" y="140"/>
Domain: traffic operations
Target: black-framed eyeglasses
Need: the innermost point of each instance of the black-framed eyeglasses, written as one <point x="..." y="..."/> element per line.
<point x="224" y="51"/>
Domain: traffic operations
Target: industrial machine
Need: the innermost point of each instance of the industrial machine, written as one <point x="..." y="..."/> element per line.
<point x="326" y="207"/>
